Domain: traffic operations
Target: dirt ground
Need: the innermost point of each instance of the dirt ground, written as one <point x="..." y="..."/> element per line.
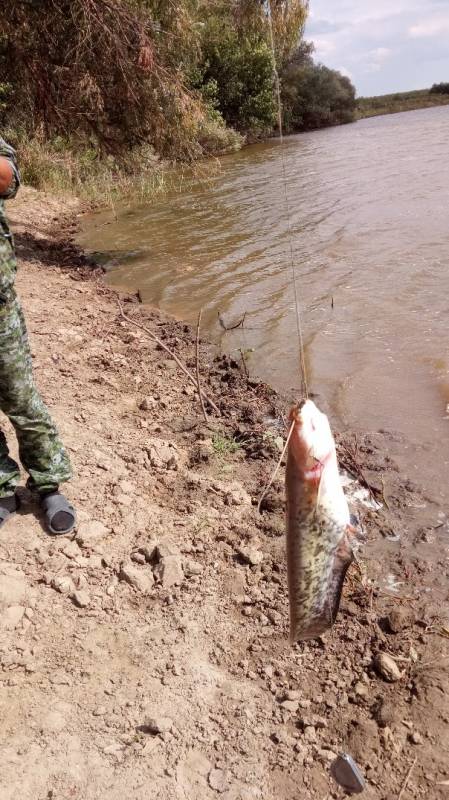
<point x="147" y="654"/>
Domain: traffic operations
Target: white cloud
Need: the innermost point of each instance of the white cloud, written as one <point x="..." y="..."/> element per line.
<point x="323" y="47"/>
<point x="380" y="54"/>
<point x="386" y="46"/>
<point x="435" y="26"/>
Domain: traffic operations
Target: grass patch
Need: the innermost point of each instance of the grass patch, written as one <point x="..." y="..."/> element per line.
<point x="224" y="446"/>
<point x="68" y="167"/>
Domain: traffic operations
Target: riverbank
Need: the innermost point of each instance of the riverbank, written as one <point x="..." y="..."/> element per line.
<point x="398" y="102"/>
<point x="151" y="649"/>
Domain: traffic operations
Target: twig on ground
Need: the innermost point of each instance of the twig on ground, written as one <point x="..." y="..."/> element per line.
<point x="197" y="364"/>
<point x="349" y="462"/>
<point x="170" y="352"/>
<point x="407" y="778"/>
<point x="383" y="493"/>
<point x="245" y="368"/>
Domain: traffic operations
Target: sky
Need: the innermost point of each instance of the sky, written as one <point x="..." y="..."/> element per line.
<point x="382" y="45"/>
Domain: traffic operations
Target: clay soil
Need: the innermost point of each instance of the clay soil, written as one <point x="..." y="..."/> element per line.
<point x="147" y="655"/>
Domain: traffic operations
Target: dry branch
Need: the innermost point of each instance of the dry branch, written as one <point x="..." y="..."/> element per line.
<point x="173" y="355"/>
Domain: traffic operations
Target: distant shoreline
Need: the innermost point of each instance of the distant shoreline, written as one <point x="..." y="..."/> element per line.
<point x="398" y="102"/>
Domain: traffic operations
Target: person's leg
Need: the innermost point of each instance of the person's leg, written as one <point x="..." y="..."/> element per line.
<point x="9" y="478"/>
<point x="9" y="470"/>
<point x="40" y="448"/>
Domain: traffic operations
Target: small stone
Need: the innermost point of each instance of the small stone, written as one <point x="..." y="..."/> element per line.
<point x="416" y="738"/>
<point x="166" y="547"/>
<point x="91" y="533"/>
<point x="100" y="711"/>
<point x="251" y="555"/>
<point x="71" y="550"/>
<point x="149" y="550"/>
<point x="127" y="487"/>
<point x="399" y="619"/>
<point x="413" y="654"/>
<point x="192" y="568"/>
<point x="218" y="780"/>
<point x="385" y="714"/>
<point x="361" y="689"/>
<point x="330" y="701"/>
<point x="147" y="404"/>
<point x="122" y="499"/>
<point x="292" y="694"/>
<point x="156" y="725"/>
<point x="169" y="364"/>
<point x="281" y="736"/>
<point x="290" y="705"/>
<point x="81" y="599"/>
<point x="142" y="580"/>
<point x="63" y="584"/>
<point x="81" y="580"/>
<point x="13" y="586"/>
<point x="237" y="496"/>
<point x="387" y="667"/>
<point x="310" y="734"/>
<point x="326" y="756"/>
<point x="139" y="558"/>
<point x="162" y="454"/>
<point x="12" y="617"/>
<point x="169" y="571"/>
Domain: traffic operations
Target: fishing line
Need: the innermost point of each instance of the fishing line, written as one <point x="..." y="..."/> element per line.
<point x="302" y="361"/>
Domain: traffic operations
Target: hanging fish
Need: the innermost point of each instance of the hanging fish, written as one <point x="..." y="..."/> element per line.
<point x="319" y="530"/>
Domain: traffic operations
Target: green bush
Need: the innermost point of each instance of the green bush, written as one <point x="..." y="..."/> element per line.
<point x="439" y="88"/>
<point x="315" y="96"/>
<point x="235" y="75"/>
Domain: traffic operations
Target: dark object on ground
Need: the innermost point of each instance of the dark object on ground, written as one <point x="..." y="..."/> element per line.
<point x="59" y="514"/>
<point x="346" y="773"/>
<point x="8" y="506"/>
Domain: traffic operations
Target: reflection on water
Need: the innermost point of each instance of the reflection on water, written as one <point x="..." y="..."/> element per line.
<point x="369" y="212"/>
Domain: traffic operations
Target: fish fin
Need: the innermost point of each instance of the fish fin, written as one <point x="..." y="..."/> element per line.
<point x="355" y="533"/>
<point x="343" y="559"/>
<point x="318" y="494"/>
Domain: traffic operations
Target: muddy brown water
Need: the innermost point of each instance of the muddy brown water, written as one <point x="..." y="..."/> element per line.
<point x="369" y="206"/>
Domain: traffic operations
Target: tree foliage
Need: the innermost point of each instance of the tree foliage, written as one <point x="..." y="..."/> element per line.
<point x="182" y="75"/>
<point x="101" y="68"/>
<point x="439" y="88"/>
<point x="315" y="96"/>
<point x="236" y="74"/>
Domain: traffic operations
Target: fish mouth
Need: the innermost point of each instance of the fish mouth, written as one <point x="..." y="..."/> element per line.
<point x="304" y="434"/>
<point x="295" y="411"/>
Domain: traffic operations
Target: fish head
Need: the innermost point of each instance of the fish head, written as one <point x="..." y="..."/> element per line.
<point x="311" y="444"/>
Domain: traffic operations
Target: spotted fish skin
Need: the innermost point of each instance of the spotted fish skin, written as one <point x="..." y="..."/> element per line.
<point x="318" y="525"/>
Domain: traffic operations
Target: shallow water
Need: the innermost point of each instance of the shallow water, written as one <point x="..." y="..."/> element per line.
<point x="369" y="210"/>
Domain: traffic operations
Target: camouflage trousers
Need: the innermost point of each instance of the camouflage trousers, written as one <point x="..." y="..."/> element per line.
<point x="40" y="448"/>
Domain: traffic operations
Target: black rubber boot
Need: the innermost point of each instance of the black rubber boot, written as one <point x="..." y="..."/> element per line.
<point x="60" y="515"/>
<point x="8" y="507"/>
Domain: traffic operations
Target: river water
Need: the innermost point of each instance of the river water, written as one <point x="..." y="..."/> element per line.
<point x="369" y="214"/>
